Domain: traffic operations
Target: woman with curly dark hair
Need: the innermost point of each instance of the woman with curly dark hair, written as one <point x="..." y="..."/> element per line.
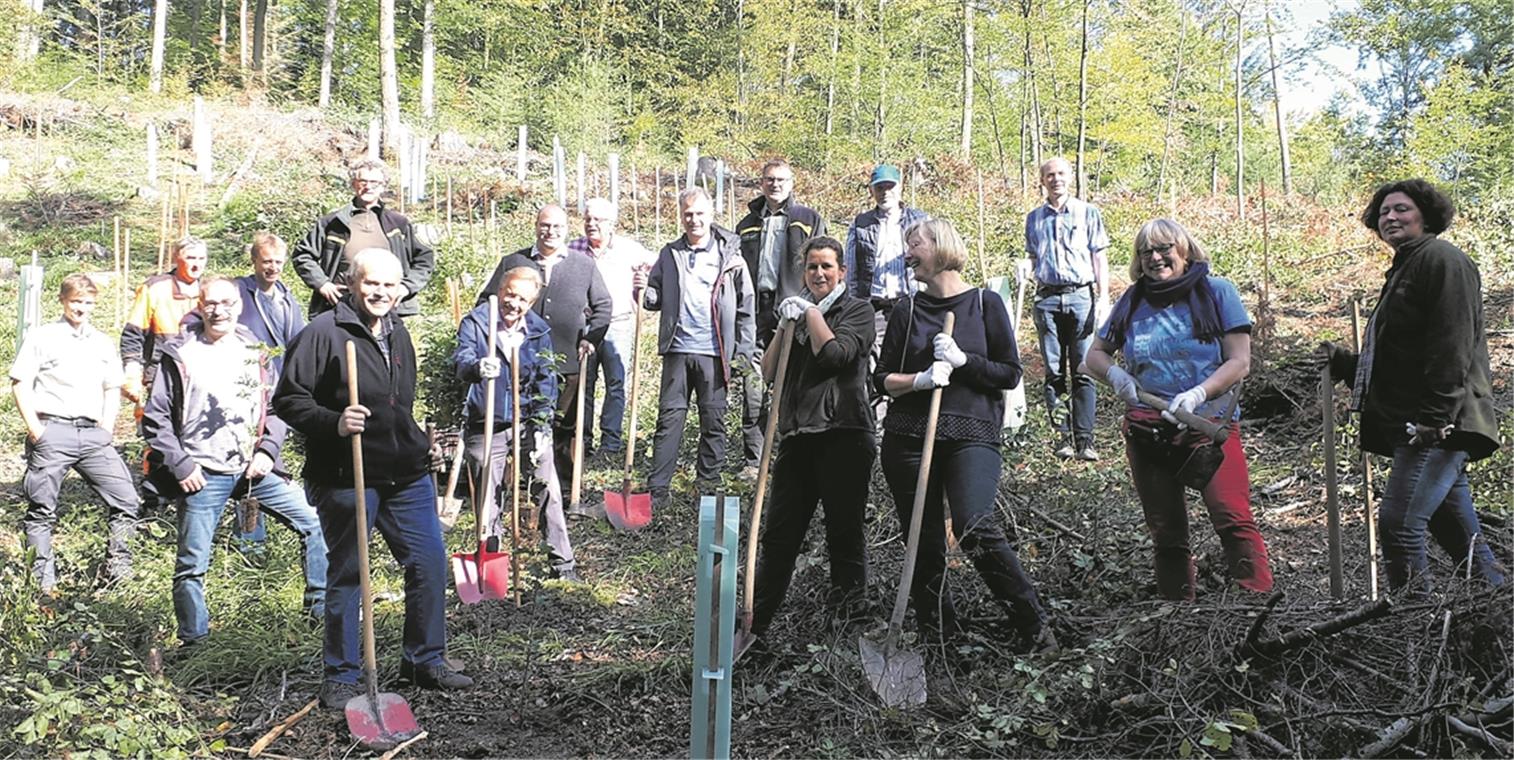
<point x="1422" y="385"/>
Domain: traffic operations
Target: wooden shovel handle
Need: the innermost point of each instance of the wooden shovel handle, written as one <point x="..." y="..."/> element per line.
<point x="917" y="515"/>
<point x="578" y="433"/>
<point x="360" y="500"/>
<point x="785" y="341"/>
<point x="480" y="505"/>
<point x="630" y="428"/>
<point x="1216" y="432"/>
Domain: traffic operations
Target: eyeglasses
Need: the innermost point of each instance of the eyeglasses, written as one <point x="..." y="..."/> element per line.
<point x="225" y="305"/>
<point x="370" y="181"/>
<point x="777" y="180"/>
<point x="1159" y="249"/>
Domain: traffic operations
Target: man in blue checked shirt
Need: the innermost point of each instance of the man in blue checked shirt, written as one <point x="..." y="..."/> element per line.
<point x="874" y="255"/>
<point x="1065" y="242"/>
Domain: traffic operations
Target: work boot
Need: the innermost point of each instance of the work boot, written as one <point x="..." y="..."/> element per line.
<point x="440" y="676"/>
<point x="336" y="694"/>
<point x="1087" y="453"/>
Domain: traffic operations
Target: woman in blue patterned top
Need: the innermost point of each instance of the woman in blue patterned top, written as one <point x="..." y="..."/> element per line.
<point x="1184" y="335"/>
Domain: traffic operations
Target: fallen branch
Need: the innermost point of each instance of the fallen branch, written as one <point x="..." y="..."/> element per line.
<point x="1255" y="632"/>
<point x="278" y="730"/>
<point x="236" y="176"/>
<point x="1304" y="636"/>
<point x="1391" y="735"/>
<point x="1277" y="747"/>
<point x="1500" y="747"/>
<point x="269" y="755"/>
<point x="391" y="754"/>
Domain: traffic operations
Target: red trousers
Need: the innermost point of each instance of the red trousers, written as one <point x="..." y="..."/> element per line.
<point x="1154" y="467"/>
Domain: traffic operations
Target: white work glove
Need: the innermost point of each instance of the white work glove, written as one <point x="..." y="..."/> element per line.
<point x="541" y="447"/>
<point x="1124" y="385"/>
<point x="947" y="350"/>
<point x="794" y="307"/>
<point x="938" y="376"/>
<point x="488" y="368"/>
<point x="1024" y="269"/>
<point x="1187" y="401"/>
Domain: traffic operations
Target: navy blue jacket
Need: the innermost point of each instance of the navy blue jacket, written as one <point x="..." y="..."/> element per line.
<point x="538" y="379"/>
<point x="256" y="320"/>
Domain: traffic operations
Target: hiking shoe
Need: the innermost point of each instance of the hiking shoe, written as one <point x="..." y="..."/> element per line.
<point x="567" y="574"/>
<point x="1066" y="452"/>
<point x="1044" y="642"/>
<point x="336" y="694"/>
<point x="749" y="473"/>
<point x="439" y="676"/>
<point x="1087" y="454"/>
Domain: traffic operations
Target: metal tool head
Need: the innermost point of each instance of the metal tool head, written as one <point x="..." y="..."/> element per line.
<point x="380" y="721"/>
<point x="481" y="575"/>
<point x="896" y="674"/>
<point x="628" y="511"/>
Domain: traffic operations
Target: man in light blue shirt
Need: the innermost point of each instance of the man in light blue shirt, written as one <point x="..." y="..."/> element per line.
<point x="1065" y="243"/>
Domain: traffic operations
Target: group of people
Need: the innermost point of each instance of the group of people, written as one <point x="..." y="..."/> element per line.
<point x="222" y="369"/>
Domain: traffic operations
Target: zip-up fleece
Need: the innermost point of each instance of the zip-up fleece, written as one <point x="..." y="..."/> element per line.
<point x="803" y="224"/>
<point x="538" y="383"/>
<point x="312" y="393"/>
<point x="732" y="302"/>
<point x="319" y="258"/>
<point x="163" y="414"/>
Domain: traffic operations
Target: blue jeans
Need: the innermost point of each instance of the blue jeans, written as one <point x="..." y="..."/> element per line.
<point x="611" y="359"/>
<point x="199" y="514"/>
<point x="405" y="515"/>
<point x="1064" y="325"/>
<point x="1427" y="492"/>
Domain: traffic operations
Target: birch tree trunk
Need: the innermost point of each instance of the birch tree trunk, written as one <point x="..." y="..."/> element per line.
<point x="1277" y="109"/>
<point x="328" y="51"/>
<point x="1172" y="104"/>
<point x="883" y="64"/>
<point x="221" y="36"/>
<point x="389" y="76"/>
<point x="1082" y="99"/>
<point x="967" y="79"/>
<point x="159" y="29"/>
<point x="1240" y="132"/>
<point x="428" y="60"/>
<point x="29" y="37"/>
<point x="243" y="57"/>
<point x="1026" y="7"/>
<point x="830" y="86"/>
<point x="259" y="38"/>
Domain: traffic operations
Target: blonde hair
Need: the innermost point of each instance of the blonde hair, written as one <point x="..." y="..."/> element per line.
<point x="1164" y="231"/>
<point x="951" y="251"/>
<point x="263" y="240"/>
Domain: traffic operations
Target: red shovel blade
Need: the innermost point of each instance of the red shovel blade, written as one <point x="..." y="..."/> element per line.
<point x="382" y="724"/>
<point x="628" y="511"/>
<point x="481" y="575"/>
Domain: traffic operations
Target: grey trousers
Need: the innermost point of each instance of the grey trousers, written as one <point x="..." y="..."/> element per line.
<point x="88" y="450"/>
<point x="540" y="479"/>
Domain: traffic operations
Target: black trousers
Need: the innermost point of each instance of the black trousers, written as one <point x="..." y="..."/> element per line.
<point x="685" y="376"/>
<point x="832" y="468"/>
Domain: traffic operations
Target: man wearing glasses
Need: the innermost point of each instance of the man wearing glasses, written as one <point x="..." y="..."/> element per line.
<point x="213" y="436"/>
<point x="773" y="234"/>
<point x="323" y="259"/>
<point x="1065" y="242"/>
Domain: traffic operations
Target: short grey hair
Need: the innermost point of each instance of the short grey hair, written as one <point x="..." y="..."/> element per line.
<point x="609" y="208"/>
<point x="187" y="242"/>
<point x="688" y="195"/>
<point x="368" y="257"/>
<point x="367" y="164"/>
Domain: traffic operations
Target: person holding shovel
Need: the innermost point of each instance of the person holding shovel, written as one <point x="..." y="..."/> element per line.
<point x="400" y="498"/>
<point x="1185" y="336"/>
<point x="1423" y="387"/>
<point x="519" y="328"/>
<point x="973" y="365"/>
<point x="826" y="444"/>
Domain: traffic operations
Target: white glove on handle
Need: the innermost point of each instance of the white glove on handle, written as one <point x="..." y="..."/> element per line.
<point x="488" y="367"/>
<point x="794" y="307"/>
<point x="938" y="376"/>
<point x="1124" y="385"/>
<point x="948" y="351"/>
<point x="1024" y="269"/>
<point x="1187" y="401"/>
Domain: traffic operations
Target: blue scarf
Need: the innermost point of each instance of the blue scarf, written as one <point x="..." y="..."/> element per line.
<point x="1192" y="285"/>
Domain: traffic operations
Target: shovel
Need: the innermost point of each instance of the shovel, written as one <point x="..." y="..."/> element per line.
<point x="484" y="574"/>
<point x="626" y="510"/>
<point x="897" y="674"/>
<point x="744" y="636"/>
<point x="377" y="720"/>
<point x="575" y="501"/>
<point x="1204" y="460"/>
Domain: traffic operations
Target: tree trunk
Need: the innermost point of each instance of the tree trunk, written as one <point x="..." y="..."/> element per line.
<point x="830" y="86"/>
<point x="966" y="79"/>
<point x="1277" y="110"/>
<point x="389" y="76"/>
<point x="740" y="56"/>
<point x="243" y="52"/>
<point x="428" y="60"/>
<point x="328" y="51"/>
<point x="883" y="64"/>
<point x="790" y="50"/>
<point x="1082" y="98"/>
<point x="159" y="29"/>
<point x="259" y="38"/>
<point x="1026" y="7"/>
<point x="1172" y="104"/>
<point x="29" y="37"/>
<point x="221" y="35"/>
<point x="1240" y="154"/>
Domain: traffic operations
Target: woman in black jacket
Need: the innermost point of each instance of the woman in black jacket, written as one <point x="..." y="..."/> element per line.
<point x="1422" y="386"/>
<point x="975" y="365"/>
<point x="827" y="445"/>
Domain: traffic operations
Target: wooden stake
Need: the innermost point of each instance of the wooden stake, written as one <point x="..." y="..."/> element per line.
<point x="125" y="275"/>
<point x="1332" y="496"/>
<point x="635" y="202"/>
<point x="982" y="236"/>
<point x="1356" y="344"/>
<point x="1265" y="307"/>
<point x="657" y="202"/>
<point x="184" y="209"/>
<point x="163" y="225"/>
<point x="115" y="261"/>
<point x="449" y="206"/>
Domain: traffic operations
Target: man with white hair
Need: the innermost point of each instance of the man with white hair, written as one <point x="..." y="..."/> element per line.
<point x="401" y="499"/>
<point x="623" y="263"/>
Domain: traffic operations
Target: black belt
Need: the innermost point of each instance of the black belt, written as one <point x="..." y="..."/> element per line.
<point x="1043" y="291"/>
<point x="78" y="422"/>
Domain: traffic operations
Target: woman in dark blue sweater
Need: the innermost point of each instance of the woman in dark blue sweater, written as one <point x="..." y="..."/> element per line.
<point x="974" y="366"/>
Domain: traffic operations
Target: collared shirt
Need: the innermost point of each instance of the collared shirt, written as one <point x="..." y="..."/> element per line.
<point x="618" y="261"/>
<point x="891" y="278"/>
<point x="1063" y="243"/>
<point x="774" y="225"/>
<point x="699" y="268"/>
<point x="68" y="370"/>
<point x="546" y="262"/>
<point x="367" y="232"/>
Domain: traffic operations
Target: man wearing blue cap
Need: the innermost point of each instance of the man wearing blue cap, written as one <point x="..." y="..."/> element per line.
<point x="874" y="256"/>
